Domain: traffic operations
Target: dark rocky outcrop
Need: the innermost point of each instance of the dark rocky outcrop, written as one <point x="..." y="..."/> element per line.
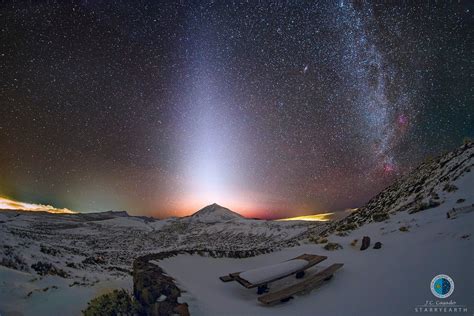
<point x="378" y="245"/>
<point x="149" y="284"/>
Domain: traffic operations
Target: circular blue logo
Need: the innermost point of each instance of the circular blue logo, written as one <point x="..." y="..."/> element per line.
<point x="442" y="286"/>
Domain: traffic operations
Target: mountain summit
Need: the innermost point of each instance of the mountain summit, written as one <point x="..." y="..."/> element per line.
<point x="215" y="213"/>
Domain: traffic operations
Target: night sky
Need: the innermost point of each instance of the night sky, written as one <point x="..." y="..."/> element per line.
<point x="271" y="109"/>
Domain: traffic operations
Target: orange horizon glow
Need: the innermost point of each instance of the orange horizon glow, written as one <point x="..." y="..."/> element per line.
<point x="324" y="217"/>
<point x="245" y="209"/>
<point x="8" y="204"/>
<point x="250" y="209"/>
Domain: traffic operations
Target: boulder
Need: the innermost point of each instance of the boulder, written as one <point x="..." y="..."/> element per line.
<point x="365" y="243"/>
<point x="378" y="245"/>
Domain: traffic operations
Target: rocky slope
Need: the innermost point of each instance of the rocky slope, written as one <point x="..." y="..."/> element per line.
<point x="427" y="186"/>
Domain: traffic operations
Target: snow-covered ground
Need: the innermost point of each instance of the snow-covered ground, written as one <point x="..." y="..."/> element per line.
<point x="23" y="293"/>
<point x="392" y="280"/>
<point x="53" y="264"/>
<point x="96" y="251"/>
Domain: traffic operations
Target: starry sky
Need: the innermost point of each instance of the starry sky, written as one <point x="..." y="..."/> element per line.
<point x="272" y="109"/>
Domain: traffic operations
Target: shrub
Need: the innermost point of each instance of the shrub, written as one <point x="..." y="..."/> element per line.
<point x="380" y="217"/>
<point x="403" y="229"/>
<point x="94" y="260"/>
<point x="434" y="195"/>
<point x="318" y="240"/>
<point x="117" y="302"/>
<point x="16" y="262"/>
<point x="44" y="268"/>
<point x="321" y="240"/>
<point x="49" y="251"/>
<point x="449" y="187"/>
<point x="348" y="226"/>
<point x="421" y="206"/>
<point x="332" y="246"/>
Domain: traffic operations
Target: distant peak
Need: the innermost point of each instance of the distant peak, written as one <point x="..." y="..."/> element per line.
<point x="215" y="213"/>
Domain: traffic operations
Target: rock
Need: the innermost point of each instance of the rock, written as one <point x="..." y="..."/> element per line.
<point x="365" y="243"/>
<point x="154" y="291"/>
<point x="182" y="309"/>
<point x="378" y="245"/>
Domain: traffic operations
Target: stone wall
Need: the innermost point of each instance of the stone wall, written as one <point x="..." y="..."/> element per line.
<point x="156" y="292"/>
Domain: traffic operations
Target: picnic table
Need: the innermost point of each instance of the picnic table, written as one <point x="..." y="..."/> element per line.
<point x="261" y="277"/>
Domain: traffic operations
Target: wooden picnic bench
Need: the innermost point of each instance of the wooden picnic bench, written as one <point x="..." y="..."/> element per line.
<point x="312" y="282"/>
<point x="310" y="259"/>
<point x="261" y="277"/>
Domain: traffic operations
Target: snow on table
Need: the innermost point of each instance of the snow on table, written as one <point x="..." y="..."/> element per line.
<point x="272" y="272"/>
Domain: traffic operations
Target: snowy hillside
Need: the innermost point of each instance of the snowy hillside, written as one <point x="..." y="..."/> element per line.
<point x="48" y="257"/>
<point x="424" y="222"/>
<point x="416" y="244"/>
<point x="434" y="183"/>
<point x="393" y="280"/>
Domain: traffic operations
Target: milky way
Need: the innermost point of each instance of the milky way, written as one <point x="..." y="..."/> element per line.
<point x="271" y="109"/>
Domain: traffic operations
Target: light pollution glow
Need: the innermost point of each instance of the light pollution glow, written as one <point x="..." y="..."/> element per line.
<point x="325" y="217"/>
<point x="8" y="204"/>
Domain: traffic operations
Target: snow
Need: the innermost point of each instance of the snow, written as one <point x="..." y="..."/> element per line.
<point x="161" y="298"/>
<point x="49" y="295"/>
<point x="129" y="222"/>
<point x="271" y="272"/>
<point x="67" y="242"/>
<point x="96" y="250"/>
<point x="388" y="281"/>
